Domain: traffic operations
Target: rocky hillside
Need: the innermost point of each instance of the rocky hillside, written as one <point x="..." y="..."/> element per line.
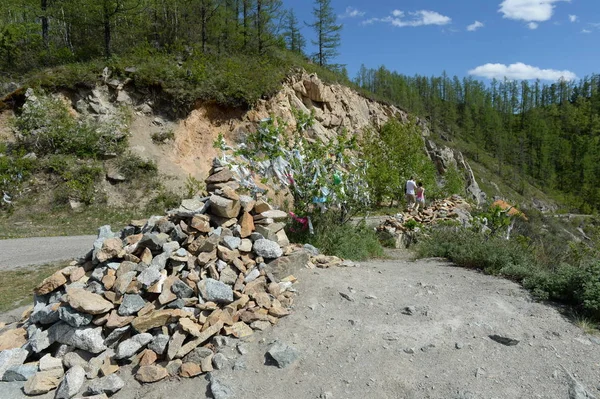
<point x="183" y="147"/>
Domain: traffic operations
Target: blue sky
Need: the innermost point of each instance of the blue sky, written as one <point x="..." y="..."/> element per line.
<point x="520" y="39"/>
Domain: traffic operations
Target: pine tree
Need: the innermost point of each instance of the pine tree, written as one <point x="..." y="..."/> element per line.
<point x="328" y="32"/>
<point x="293" y="38"/>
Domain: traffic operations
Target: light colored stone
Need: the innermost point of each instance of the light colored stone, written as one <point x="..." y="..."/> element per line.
<point x="111" y="248"/>
<point x="215" y="291"/>
<point x="282" y="354"/>
<point x="246" y="225"/>
<point x="131" y="346"/>
<point x="72" y="383"/>
<point x="48" y="362"/>
<point x="11" y="339"/>
<point x="151" y="373"/>
<point x="43" y="382"/>
<point x="189" y="370"/>
<point x="108" y="385"/>
<point x="10" y="358"/>
<point x="190" y="327"/>
<point x="204" y="336"/>
<point x="148" y="358"/>
<point x="267" y="249"/>
<point x="87" y="302"/>
<point x="86" y="338"/>
<point x="239" y="330"/>
<point x="51" y="283"/>
<point x="224" y="207"/>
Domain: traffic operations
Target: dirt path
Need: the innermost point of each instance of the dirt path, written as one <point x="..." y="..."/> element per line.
<point x="367" y="347"/>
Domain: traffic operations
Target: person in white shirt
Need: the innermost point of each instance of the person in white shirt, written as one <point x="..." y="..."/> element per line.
<point x="411" y="186"/>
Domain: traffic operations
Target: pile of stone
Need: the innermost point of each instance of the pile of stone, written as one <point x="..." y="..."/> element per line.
<point x="402" y="231"/>
<point x="155" y="296"/>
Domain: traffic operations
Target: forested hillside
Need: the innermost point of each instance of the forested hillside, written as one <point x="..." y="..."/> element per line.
<point x="548" y="131"/>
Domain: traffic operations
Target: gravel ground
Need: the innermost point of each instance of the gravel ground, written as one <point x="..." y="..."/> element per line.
<point x="40" y="250"/>
<point x="367" y="344"/>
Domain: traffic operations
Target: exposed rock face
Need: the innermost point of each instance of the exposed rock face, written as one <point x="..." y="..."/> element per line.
<point x="445" y="157"/>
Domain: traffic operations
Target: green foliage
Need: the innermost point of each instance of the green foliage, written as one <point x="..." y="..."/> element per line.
<point x="163" y="137"/>
<point x="412" y="224"/>
<point x="15" y="169"/>
<point x="133" y="166"/>
<point x="394" y="155"/>
<point x="345" y="241"/>
<point x="576" y="284"/>
<point x="193" y="186"/>
<point x="454" y="183"/>
<point x="164" y="201"/>
<point x="327" y="31"/>
<point x="322" y="177"/>
<point x="79" y="178"/>
<point x="45" y="126"/>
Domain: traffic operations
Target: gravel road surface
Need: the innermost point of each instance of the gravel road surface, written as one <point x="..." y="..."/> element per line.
<point x="392" y="329"/>
<point x="39" y="250"/>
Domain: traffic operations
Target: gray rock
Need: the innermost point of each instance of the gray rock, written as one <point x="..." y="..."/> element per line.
<point x="10" y="358"/>
<point x="105" y="232"/>
<point x="291" y="264"/>
<point x="219" y="361"/>
<point x="176" y="304"/>
<point x="86" y="338"/>
<point x="242" y="348"/>
<point x="131" y="304"/>
<point x="71" y="383"/>
<point x="267" y="249"/>
<point x="159" y="344"/>
<point x="149" y="276"/>
<point x="178" y="235"/>
<point x="219" y="389"/>
<point x="77" y="357"/>
<point x="252" y="275"/>
<point x="215" y="291"/>
<point x="12" y="390"/>
<point x="311" y="249"/>
<point x="38" y="338"/>
<point x="153" y="241"/>
<point x="45" y="314"/>
<point x="459" y="345"/>
<point x="98" y="274"/>
<point x="109" y="385"/>
<point x="197" y="355"/>
<point x="95" y="287"/>
<point x="159" y="262"/>
<point x="282" y="354"/>
<point x="170" y="247"/>
<point x="409" y="310"/>
<point x="231" y="242"/>
<point x="577" y="390"/>
<point x="256" y="236"/>
<point x="165" y="226"/>
<point x="19" y="373"/>
<point x="131" y="346"/>
<point x="228" y="276"/>
<point x="73" y="317"/>
<point x="240" y="364"/>
<point x="114" y="337"/>
<point x="182" y="290"/>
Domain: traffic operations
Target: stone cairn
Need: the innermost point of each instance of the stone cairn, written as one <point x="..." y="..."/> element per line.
<point x="454" y="208"/>
<point x="156" y="296"/>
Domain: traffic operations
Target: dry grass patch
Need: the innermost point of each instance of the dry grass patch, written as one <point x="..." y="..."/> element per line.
<point x="16" y="286"/>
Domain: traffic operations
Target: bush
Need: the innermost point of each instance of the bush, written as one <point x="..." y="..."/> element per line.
<point x="133" y="166"/>
<point x="79" y="178"/>
<point x="343" y="240"/>
<point x="15" y="169"/>
<point x="45" y="126"/>
<point x="577" y="285"/>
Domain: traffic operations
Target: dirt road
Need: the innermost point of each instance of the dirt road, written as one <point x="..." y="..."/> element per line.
<point x="404" y="329"/>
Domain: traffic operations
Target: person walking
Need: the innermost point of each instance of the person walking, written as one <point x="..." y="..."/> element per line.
<point x="420" y="196"/>
<point x="411" y="186"/>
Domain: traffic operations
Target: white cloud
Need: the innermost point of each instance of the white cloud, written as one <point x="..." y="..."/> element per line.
<point x="532" y="11"/>
<point x="520" y="71"/>
<point x="586" y="31"/>
<point x="417" y="18"/>
<point x="474" y="26"/>
<point x="573" y="18"/>
<point x="351" y="12"/>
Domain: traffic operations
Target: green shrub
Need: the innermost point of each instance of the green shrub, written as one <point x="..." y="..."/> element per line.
<point x="15" y="169"/>
<point x="133" y="166"/>
<point x="343" y="240"/>
<point x="79" y="178"/>
<point x="163" y="137"/>
<point x="45" y="126"/>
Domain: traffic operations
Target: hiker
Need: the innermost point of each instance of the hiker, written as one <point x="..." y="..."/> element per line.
<point x="410" y="193"/>
<point x="420" y="196"/>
